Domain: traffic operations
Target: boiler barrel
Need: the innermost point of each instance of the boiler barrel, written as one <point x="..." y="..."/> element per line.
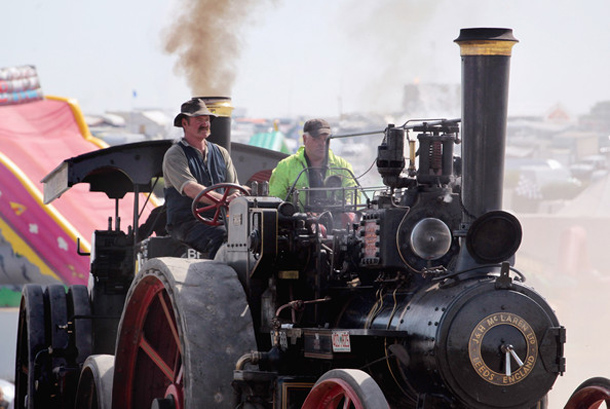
<point x="456" y="332"/>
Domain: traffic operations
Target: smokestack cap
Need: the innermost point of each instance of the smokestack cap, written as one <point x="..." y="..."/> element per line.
<point x="316" y="127"/>
<point x="477" y="34"/>
<point x="193" y="107"/>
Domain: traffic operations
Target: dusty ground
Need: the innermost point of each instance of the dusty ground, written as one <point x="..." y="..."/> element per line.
<point x="566" y="260"/>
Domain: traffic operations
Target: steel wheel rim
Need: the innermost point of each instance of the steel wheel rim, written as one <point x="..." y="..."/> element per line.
<point x="79" y="309"/>
<point x="183" y="302"/>
<point x="590" y="397"/>
<point x="347" y="389"/>
<point x="29" y="342"/>
<point x="95" y="383"/>
<point x="150" y="354"/>
<point x="333" y="392"/>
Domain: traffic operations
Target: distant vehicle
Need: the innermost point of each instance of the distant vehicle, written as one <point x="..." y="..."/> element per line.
<point x="539" y="182"/>
<point x="548" y="177"/>
<point x="590" y="168"/>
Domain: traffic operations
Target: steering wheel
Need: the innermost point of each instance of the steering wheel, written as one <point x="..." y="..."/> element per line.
<point x="219" y="205"/>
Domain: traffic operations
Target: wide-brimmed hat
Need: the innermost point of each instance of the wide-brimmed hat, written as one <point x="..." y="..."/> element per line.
<point x="316" y="127"/>
<point x="193" y="107"/>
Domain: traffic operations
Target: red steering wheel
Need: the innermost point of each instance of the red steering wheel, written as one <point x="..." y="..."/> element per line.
<point x="219" y="205"/>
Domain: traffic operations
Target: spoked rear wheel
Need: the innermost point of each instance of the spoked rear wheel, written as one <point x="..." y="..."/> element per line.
<point x="590" y="394"/>
<point x="50" y="347"/>
<point x="184" y="326"/>
<point x="345" y="389"/>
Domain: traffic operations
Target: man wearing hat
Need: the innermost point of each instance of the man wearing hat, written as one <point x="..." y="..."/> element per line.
<point x="316" y="158"/>
<point x="190" y="166"/>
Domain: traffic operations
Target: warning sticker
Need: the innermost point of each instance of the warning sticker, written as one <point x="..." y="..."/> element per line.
<point x="341" y="342"/>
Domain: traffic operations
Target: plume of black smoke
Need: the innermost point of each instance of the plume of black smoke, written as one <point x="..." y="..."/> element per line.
<point x="206" y="36"/>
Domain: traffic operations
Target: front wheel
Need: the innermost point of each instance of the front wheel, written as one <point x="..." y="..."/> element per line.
<point x="590" y="394"/>
<point x="346" y="389"/>
<point x="95" y="383"/>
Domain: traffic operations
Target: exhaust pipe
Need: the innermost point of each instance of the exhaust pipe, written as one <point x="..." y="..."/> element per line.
<point x="221" y="125"/>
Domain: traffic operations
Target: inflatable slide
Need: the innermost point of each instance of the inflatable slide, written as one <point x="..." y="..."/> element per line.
<point x="40" y="243"/>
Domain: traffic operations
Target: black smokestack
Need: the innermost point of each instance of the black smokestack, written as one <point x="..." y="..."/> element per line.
<point x="221" y="125"/>
<point x="485" y="67"/>
<point x="485" y="71"/>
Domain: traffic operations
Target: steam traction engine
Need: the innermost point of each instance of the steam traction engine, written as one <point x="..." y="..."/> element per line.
<point x="402" y="296"/>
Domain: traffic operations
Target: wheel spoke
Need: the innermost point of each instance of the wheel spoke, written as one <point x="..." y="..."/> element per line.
<point x="217" y="213"/>
<point x="225" y="195"/>
<point x="170" y="321"/>
<point x="212" y="198"/>
<point x="156" y="358"/>
<point x="204" y="209"/>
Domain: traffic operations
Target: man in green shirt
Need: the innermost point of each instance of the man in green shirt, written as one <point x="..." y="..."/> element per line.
<point x="311" y="166"/>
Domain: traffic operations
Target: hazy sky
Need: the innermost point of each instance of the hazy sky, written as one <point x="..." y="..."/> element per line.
<point x="303" y="57"/>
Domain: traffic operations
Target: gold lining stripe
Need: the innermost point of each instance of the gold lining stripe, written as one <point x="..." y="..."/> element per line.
<point x="486" y="47"/>
<point x="220" y="108"/>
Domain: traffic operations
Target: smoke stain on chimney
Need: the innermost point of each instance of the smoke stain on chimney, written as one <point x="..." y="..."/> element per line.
<point x="206" y="36"/>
